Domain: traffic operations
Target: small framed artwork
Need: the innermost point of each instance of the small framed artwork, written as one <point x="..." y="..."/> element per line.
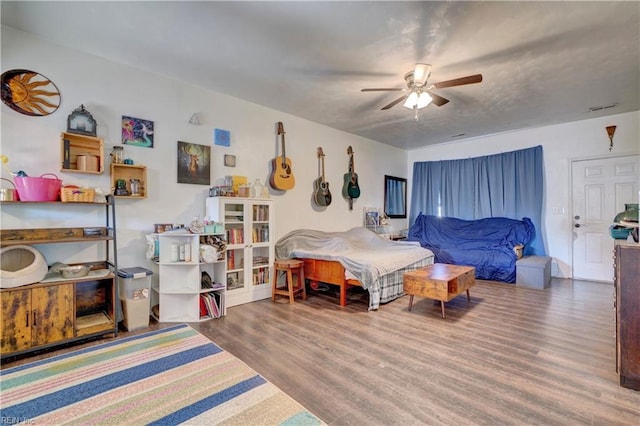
<point x="372" y="218"/>
<point x="194" y="163"/>
<point x="232" y="281"/>
<point x="137" y="132"/>
<point x="81" y="121"/>
<point x="230" y="160"/>
<point x="222" y="137"/>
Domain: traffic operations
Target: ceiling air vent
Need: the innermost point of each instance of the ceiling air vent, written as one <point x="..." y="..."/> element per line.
<point x="601" y="107"/>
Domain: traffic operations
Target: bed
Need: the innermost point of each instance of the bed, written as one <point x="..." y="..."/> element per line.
<point x="358" y="257"/>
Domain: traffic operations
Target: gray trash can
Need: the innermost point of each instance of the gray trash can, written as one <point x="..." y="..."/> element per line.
<point x="134" y="286"/>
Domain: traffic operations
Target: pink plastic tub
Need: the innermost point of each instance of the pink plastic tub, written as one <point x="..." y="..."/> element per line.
<point x="38" y="188"/>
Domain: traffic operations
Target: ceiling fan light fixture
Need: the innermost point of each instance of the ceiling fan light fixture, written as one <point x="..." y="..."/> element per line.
<point x="424" y="99"/>
<point x="412" y="100"/>
<point x="417" y="100"/>
<point x="421" y="74"/>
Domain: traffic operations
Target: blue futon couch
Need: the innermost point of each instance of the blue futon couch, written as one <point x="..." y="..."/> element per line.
<point x="486" y="244"/>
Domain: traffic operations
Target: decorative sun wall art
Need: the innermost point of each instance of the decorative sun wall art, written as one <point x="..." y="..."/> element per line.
<point x="29" y="93"/>
<point x="137" y="132"/>
<point x="194" y="163"/>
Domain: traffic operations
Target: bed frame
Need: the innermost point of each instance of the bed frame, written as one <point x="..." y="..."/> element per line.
<point x="330" y="272"/>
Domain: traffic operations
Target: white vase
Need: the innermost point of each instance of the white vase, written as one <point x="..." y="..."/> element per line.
<point x="258" y="189"/>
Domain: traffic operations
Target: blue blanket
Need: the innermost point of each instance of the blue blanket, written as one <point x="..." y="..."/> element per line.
<point x="486" y="244"/>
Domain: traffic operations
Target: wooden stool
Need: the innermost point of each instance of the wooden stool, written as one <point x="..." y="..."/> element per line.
<point x="290" y="267"/>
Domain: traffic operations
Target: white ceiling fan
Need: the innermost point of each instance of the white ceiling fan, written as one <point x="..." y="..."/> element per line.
<point x="419" y="93"/>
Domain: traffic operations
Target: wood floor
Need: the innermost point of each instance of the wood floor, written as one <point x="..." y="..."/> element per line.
<point x="510" y="356"/>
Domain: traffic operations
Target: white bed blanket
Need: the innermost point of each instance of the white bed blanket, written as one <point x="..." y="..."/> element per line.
<point x="364" y="254"/>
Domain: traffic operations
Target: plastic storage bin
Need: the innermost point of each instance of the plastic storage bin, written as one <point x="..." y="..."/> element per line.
<point x="135" y="287"/>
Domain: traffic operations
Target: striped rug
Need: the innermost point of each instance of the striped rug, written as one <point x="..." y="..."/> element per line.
<point x="165" y="377"/>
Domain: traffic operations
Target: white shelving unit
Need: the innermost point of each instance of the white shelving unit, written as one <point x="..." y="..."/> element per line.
<point x="248" y="225"/>
<point x="179" y="284"/>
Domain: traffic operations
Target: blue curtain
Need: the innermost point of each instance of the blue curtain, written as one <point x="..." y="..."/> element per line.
<point x="502" y="185"/>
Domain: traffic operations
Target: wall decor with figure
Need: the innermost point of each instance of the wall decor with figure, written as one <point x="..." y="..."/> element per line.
<point x="137" y="132"/>
<point x="194" y="163"/>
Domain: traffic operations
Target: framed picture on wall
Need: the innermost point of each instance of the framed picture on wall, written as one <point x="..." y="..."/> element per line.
<point x="194" y="163"/>
<point x="230" y="160"/>
<point x="81" y="121"/>
<point x="222" y="137"/>
<point x="137" y="132"/>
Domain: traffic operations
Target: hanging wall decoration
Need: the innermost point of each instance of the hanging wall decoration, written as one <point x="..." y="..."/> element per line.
<point x="611" y="130"/>
<point x="81" y="121"/>
<point x="194" y="119"/>
<point x="29" y="93"/>
<point x="222" y="137"/>
<point x="230" y="160"/>
<point x="194" y="163"/>
<point x="137" y="132"/>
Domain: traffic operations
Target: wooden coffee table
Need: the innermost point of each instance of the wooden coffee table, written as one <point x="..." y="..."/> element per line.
<point x="439" y="282"/>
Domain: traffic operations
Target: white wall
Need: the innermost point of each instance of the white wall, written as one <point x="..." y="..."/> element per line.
<point x="561" y="144"/>
<point x="110" y="90"/>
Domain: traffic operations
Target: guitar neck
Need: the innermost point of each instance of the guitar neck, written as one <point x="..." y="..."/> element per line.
<point x="321" y="158"/>
<point x="284" y="154"/>
<point x="281" y="133"/>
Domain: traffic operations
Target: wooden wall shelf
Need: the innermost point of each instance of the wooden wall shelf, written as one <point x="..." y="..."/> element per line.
<point x="128" y="172"/>
<point x="72" y="145"/>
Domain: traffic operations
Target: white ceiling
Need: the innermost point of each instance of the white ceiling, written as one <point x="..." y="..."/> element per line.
<point x="543" y="62"/>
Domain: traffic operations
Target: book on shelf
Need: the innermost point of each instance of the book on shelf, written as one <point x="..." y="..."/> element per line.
<point x="261" y="276"/>
<point x="260" y="213"/>
<point x="204" y="311"/>
<point x="220" y="301"/>
<point x="66" y="159"/>
<point x="260" y="260"/>
<point x="235" y="235"/>
<point x="210" y="305"/>
<point x="260" y="234"/>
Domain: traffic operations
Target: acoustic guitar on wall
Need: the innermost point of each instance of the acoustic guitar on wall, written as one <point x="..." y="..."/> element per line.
<point x="321" y="193"/>
<point x="281" y="174"/>
<point x="351" y="189"/>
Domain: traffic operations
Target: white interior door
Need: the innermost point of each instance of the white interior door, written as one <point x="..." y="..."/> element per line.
<point x="600" y="190"/>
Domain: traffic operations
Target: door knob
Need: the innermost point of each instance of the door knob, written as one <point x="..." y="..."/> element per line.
<point x="577" y="225"/>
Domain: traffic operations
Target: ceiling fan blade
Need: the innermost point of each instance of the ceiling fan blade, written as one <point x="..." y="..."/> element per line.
<point x="421" y="74"/>
<point x="382" y="90"/>
<point x="437" y="100"/>
<point x="476" y="78"/>
<point x="394" y="103"/>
